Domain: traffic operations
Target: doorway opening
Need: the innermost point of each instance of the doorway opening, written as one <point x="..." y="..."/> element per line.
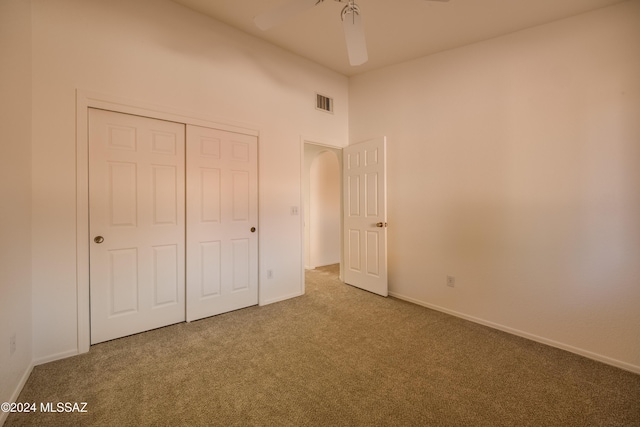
<point x="322" y="197"/>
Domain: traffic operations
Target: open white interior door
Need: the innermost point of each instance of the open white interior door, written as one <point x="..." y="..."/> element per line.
<point x="365" y="216"/>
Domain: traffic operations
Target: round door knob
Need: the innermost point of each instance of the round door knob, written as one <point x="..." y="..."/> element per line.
<point x="98" y="239"/>
<point x="253" y="229"/>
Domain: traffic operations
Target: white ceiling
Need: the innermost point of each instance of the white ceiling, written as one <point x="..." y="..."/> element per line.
<point x="396" y="30"/>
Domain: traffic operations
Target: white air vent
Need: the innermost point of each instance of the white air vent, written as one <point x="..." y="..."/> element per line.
<point x="324" y="103"/>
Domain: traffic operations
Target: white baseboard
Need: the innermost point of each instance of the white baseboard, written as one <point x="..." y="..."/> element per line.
<point x="582" y="352"/>
<point x="286" y="297"/>
<point x="17" y="391"/>
<point x="54" y="357"/>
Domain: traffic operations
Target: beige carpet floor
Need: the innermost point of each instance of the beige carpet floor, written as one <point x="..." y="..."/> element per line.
<point x="337" y="356"/>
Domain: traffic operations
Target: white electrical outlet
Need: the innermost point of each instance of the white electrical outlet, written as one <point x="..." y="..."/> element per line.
<point x="451" y="281"/>
<point x="294" y="210"/>
<point x="12" y="344"/>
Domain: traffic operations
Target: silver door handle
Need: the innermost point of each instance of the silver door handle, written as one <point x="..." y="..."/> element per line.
<point x="98" y="239"/>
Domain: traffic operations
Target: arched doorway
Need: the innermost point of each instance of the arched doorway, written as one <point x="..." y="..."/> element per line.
<point x="323" y="209"/>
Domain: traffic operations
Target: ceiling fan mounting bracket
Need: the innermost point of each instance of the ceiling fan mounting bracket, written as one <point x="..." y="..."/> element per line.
<point x="351" y="7"/>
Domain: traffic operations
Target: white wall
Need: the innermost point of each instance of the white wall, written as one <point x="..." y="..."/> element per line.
<point x="157" y="52"/>
<point x="15" y="191"/>
<point x="325" y="212"/>
<point x="514" y="165"/>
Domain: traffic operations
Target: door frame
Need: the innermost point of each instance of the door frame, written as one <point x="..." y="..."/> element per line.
<point x="89" y="99"/>
<point x="329" y="145"/>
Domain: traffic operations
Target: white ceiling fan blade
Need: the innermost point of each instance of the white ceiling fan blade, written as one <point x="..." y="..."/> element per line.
<point x="273" y="17"/>
<point x="354" y="36"/>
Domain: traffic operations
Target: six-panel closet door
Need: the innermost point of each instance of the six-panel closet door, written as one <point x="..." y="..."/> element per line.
<point x="222" y="218"/>
<point x="172" y="223"/>
<point x="136" y="223"/>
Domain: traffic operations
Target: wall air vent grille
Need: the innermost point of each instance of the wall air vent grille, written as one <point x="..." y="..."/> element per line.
<point x="324" y="103"/>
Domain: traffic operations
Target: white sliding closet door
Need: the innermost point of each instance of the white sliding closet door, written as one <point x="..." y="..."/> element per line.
<point x="222" y="220"/>
<point x="137" y="224"/>
<point x="172" y="223"/>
